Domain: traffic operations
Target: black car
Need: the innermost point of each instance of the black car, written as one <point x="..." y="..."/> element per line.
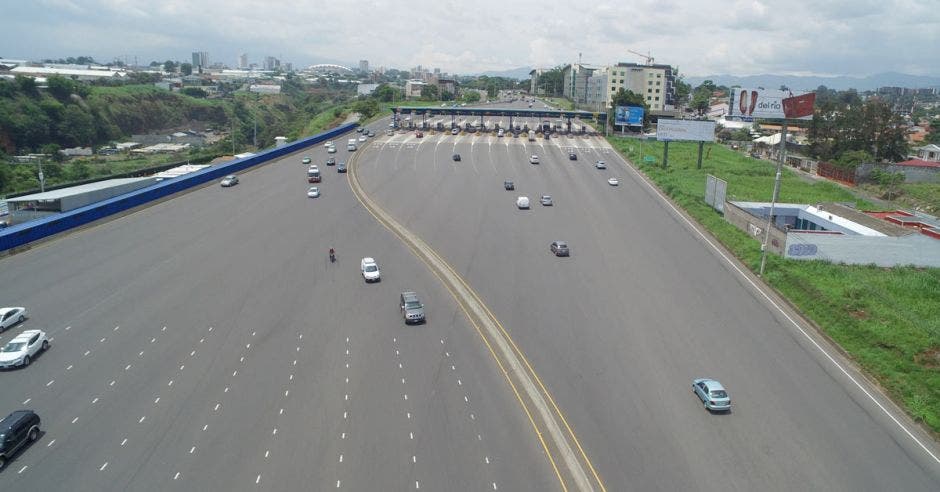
<point x="341" y="167"/>
<point x="16" y="430"/>
<point x="560" y="248"/>
<point x="359" y="130"/>
<point x="456" y="157"/>
<point x="509" y="185"/>
<point x="572" y="156"/>
<point x="331" y="161"/>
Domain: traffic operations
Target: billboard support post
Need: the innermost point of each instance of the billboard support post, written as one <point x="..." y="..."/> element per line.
<point x="665" y="154"/>
<point x="773" y="199"/>
<point x="701" y="146"/>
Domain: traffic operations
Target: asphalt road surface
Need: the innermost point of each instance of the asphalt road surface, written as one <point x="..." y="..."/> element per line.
<point x="618" y="331"/>
<point x="207" y="343"/>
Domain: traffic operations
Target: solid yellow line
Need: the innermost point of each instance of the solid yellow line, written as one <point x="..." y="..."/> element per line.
<point x="532" y="372"/>
<point x="463" y="308"/>
<point x="529" y="367"/>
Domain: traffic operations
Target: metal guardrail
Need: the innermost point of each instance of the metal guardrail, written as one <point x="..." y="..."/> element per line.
<point x="22" y="234"/>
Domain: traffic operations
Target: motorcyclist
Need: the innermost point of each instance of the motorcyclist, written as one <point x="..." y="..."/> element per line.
<point x="332" y="254"/>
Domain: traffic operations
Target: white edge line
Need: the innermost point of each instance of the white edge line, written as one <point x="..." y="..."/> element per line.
<point x="647" y="182"/>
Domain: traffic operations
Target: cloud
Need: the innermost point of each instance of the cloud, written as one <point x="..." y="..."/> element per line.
<point x="847" y="37"/>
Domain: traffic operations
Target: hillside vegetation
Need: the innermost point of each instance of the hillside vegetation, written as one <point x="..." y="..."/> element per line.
<point x="68" y="113"/>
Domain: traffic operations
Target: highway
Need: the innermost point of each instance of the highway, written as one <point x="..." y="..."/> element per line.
<point x="207" y="343"/>
<point x="643" y="305"/>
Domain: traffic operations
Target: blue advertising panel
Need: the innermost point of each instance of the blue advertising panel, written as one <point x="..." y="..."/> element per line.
<point x="629" y="116"/>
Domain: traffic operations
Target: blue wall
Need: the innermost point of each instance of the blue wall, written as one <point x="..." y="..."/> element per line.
<point x="22" y="234"/>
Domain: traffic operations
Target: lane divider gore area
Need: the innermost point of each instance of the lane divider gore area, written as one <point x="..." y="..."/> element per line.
<point x="574" y="470"/>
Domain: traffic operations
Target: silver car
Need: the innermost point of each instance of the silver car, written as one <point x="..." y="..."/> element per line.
<point x="20" y="351"/>
<point x="713" y="394"/>
<point x="10" y="316"/>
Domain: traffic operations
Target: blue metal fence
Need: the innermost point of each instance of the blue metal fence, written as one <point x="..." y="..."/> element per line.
<point x="25" y="233"/>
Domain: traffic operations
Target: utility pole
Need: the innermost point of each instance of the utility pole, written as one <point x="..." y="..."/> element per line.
<point x="233" y="137"/>
<point x="773" y="200"/>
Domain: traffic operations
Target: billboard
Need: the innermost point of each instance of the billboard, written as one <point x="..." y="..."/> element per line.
<point x="748" y="104"/>
<point x="629" y="116"/>
<point x="699" y="131"/>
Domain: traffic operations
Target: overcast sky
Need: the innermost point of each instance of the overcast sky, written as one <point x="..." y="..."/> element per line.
<point x="700" y="37"/>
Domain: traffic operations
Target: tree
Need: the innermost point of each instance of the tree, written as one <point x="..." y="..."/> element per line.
<point x="26" y="85"/>
<point x="851" y="159"/>
<point x="386" y="93"/>
<point x="186" y="68"/>
<point x="429" y="92"/>
<point x="628" y="98"/>
<point x="933" y="136"/>
<point x="890" y="183"/>
<point x="169" y="66"/>
<point x="367" y="108"/>
<point x="683" y="90"/>
<point x="470" y="96"/>
<point x="194" y="92"/>
<point x="842" y="125"/>
<point x="62" y="88"/>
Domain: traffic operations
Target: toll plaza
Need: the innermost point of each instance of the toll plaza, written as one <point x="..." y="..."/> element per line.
<point x="407" y="117"/>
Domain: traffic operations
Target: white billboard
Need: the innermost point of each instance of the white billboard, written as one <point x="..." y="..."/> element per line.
<point x="748" y="104"/>
<point x="694" y="130"/>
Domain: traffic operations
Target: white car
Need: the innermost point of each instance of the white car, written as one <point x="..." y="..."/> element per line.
<point x="313" y="192"/>
<point x="370" y="270"/>
<point x="331" y="149"/>
<point x="600" y="165"/>
<point x="613" y="182"/>
<point x="10" y="316"/>
<point x="522" y="202"/>
<point x="20" y="351"/>
<point x="362" y="138"/>
<point x="328" y="144"/>
<point x="533" y="159"/>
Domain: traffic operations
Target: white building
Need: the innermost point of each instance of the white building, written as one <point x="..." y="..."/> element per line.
<point x="74" y="73"/>
<point x="243" y="61"/>
<point x="413" y="88"/>
<point x="656" y="83"/>
<point x="595" y="92"/>
<point x="365" y="89"/>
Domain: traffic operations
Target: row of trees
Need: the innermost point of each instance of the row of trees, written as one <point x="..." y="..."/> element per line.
<point x="848" y="131"/>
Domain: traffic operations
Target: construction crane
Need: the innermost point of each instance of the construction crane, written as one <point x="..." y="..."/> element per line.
<point x="649" y="59"/>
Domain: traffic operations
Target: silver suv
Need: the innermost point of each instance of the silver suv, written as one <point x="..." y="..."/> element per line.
<point x="411" y="308"/>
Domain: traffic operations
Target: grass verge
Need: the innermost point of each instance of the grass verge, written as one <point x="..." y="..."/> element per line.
<point x="886" y="319"/>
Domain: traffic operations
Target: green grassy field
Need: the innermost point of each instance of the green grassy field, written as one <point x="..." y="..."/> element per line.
<point x="886" y="319"/>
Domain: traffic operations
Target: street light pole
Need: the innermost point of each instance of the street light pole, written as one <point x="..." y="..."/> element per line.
<point x="42" y="178"/>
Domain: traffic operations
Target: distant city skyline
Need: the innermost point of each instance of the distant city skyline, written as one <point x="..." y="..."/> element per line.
<point x="838" y="38"/>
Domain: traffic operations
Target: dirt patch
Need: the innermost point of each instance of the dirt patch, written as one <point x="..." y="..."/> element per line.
<point x="858" y="314"/>
<point x="929" y="358"/>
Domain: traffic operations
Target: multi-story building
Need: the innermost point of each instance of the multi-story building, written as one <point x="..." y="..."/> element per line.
<point x="574" y="79"/>
<point x="656" y="83"/>
<point x="413" y="88"/>
<point x="595" y="92"/>
<point x="534" y="80"/>
<point x="243" y="61"/>
<point x="446" y="85"/>
<point x="364" y="66"/>
<point x="200" y="60"/>
<point x="271" y="63"/>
